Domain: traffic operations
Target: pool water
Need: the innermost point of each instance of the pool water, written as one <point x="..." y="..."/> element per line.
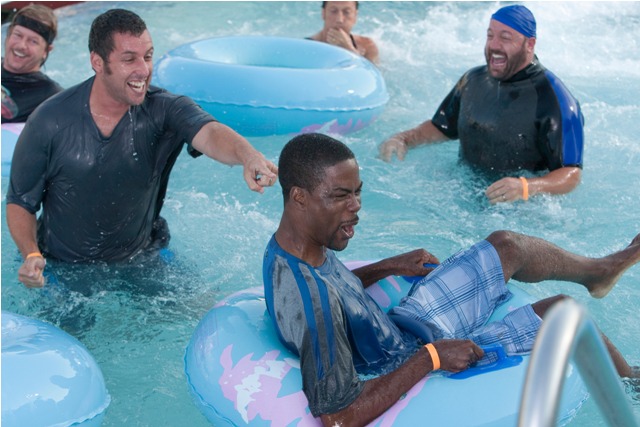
<point x="137" y="319"/>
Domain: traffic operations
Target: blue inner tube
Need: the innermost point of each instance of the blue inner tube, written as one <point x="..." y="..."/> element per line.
<point x="48" y="377"/>
<point x="275" y="85"/>
<point x="240" y="374"/>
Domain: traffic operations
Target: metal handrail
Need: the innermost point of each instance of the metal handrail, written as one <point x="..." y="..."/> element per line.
<point x="568" y="332"/>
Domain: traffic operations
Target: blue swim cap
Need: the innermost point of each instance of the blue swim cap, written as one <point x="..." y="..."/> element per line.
<point x="517" y="17"/>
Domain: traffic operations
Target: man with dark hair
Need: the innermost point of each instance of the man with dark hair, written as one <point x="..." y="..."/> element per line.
<point x="97" y="157"/>
<point x="339" y="19"/>
<point x="321" y="312"/>
<point x="28" y="44"/>
<point x="511" y="116"/>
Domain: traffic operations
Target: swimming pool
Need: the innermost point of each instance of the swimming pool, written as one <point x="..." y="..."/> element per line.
<point x="137" y="320"/>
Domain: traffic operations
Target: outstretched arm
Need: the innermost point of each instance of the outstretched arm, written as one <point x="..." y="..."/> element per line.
<point x="381" y="393"/>
<point x="407" y="264"/>
<point x="400" y="143"/>
<point x="225" y="145"/>
<point x="559" y="181"/>
<point x="22" y="226"/>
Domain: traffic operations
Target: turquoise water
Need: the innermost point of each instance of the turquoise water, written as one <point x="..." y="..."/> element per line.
<point x="137" y="320"/>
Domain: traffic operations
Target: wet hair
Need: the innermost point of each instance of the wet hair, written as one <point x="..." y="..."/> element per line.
<point x="305" y="158"/>
<point x="324" y="3"/>
<point x="107" y="24"/>
<point x="40" y="19"/>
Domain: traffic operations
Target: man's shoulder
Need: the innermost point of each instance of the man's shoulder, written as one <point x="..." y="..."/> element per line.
<point x="63" y="107"/>
<point x="364" y="40"/>
<point x="275" y="259"/>
<point x="158" y="93"/>
<point x="540" y="76"/>
<point x="475" y="72"/>
<point x="41" y="77"/>
<point x="272" y="249"/>
<point x="53" y="85"/>
<point x="554" y="91"/>
<point x="36" y="77"/>
<point x="158" y="97"/>
<point x="45" y="86"/>
<point x="67" y="96"/>
<point x="551" y="77"/>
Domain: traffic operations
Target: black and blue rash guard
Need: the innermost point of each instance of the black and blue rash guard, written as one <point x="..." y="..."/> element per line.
<point x="100" y="196"/>
<point x="325" y="317"/>
<point x="529" y="122"/>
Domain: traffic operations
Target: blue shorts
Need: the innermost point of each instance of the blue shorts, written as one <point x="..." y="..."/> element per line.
<point x="457" y="299"/>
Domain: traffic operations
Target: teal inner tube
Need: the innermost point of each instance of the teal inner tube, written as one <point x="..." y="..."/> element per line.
<point x="275" y="85"/>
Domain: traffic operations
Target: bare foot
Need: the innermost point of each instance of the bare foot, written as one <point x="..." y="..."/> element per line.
<point x="618" y="262"/>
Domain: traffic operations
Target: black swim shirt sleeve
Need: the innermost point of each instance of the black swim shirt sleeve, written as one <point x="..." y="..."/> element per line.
<point x="186" y="119"/>
<point x="28" y="178"/>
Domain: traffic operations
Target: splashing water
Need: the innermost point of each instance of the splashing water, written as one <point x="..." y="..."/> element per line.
<point x="137" y="319"/>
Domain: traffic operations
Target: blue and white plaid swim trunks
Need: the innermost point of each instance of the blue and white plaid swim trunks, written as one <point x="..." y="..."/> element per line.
<point x="457" y="299"/>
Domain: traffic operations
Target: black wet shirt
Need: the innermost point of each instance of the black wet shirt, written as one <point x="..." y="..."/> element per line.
<point x="26" y="92"/>
<point x="100" y="196"/>
<point x="529" y="122"/>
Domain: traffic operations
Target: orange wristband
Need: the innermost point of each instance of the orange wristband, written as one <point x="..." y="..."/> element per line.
<point x="32" y="254"/>
<point x="525" y="188"/>
<point x="435" y="359"/>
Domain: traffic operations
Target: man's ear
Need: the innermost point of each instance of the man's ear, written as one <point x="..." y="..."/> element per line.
<point x="298" y="196"/>
<point x="96" y="62"/>
<point x="531" y="44"/>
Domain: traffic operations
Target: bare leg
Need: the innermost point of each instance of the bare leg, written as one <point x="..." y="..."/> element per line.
<point x="624" y="369"/>
<point x="530" y="259"/>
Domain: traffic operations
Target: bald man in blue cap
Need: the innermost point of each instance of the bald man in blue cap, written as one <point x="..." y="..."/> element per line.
<point x="516" y="121"/>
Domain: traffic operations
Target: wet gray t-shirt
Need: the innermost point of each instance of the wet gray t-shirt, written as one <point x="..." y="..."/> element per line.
<point x="324" y="315"/>
<point x="100" y="196"/>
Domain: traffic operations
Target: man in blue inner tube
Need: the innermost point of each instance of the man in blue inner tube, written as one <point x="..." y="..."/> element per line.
<point x="321" y="311"/>
<point x="27" y="46"/>
<point x="339" y="18"/>
<point x="511" y="116"/>
<point x="97" y="157"/>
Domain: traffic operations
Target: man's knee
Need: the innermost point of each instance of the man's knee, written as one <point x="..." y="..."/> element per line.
<point x="503" y="240"/>
<point x="541" y="307"/>
<point x="556" y="298"/>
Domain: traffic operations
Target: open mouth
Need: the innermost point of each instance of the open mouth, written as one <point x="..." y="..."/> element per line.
<point x="498" y="60"/>
<point x="18" y="54"/>
<point x="349" y="229"/>
<point x="138" y="85"/>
